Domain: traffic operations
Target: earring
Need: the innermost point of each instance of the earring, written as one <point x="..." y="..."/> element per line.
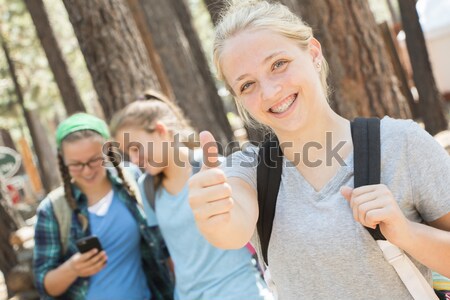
<point x="318" y="65"/>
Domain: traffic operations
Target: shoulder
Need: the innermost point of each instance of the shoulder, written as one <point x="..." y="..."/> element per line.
<point x="45" y="206"/>
<point x="248" y="154"/>
<point x="397" y="128"/>
<point x="55" y="196"/>
<point x="406" y="135"/>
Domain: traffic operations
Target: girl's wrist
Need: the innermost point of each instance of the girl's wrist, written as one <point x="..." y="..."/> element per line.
<point x="70" y="268"/>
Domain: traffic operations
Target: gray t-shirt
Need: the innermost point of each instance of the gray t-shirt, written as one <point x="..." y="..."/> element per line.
<point x="317" y="250"/>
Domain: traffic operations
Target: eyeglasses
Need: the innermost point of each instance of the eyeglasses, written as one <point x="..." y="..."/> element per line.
<point x="78" y="167"/>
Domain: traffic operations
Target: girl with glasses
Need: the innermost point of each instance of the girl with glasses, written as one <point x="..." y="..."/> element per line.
<point x="101" y="202"/>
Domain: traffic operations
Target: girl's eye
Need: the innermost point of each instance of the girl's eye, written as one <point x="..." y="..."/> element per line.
<point x="245" y="86"/>
<point x="278" y="64"/>
<point x="133" y="149"/>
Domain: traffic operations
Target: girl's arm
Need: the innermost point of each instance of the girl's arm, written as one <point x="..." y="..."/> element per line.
<point x="51" y="277"/>
<point x="58" y="280"/>
<point x="375" y="205"/>
<point x="430" y="244"/>
<point x="225" y="209"/>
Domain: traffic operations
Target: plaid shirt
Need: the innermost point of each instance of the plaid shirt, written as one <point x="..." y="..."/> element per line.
<point x="48" y="256"/>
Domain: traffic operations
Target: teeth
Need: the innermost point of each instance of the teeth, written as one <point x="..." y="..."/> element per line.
<point x="283" y="106"/>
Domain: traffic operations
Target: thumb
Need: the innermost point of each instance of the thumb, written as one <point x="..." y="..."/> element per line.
<point x="210" y="151"/>
<point x="347" y="192"/>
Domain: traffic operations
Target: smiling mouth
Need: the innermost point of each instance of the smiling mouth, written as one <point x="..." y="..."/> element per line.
<point x="283" y="105"/>
<point x="89" y="178"/>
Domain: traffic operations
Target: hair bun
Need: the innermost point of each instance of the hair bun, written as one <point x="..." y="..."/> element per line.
<point x="239" y="4"/>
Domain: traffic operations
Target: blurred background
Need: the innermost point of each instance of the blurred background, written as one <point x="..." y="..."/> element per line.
<point x="387" y="57"/>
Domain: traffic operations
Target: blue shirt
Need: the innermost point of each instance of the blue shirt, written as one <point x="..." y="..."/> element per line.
<point x="48" y="247"/>
<point x="202" y="271"/>
<point x="123" y="276"/>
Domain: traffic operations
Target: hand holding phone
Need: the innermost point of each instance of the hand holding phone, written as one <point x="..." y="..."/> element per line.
<point x="90" y="259"/>
<point x="88" y="243"/>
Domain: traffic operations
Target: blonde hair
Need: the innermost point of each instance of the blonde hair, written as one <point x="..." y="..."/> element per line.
<point x="255" y="14"/>
<point x="149" y="109"/>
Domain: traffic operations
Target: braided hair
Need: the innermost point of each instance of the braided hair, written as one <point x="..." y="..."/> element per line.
<point x="68" y="193"/>
<point x="115" y="159"/>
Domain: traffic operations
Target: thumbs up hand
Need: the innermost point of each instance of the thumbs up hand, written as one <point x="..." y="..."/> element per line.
<point x="210" y="151"/>
<point x="209" y="192"/>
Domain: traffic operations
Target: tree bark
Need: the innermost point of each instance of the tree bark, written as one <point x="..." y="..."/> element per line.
<point x="6" y="139"/>
<point x="46" y="157"/>
<point x="362" y="77"/>
<point x="391" y="48"/>
<point x="67" y="88"/>
<point x="192" y="91"/>
<point x="114" y="51"/>
<point x="430" y="100"/>
<point x="153" y="55"/>
<point x="184" y="16"/>
<point x="8" y="225"/>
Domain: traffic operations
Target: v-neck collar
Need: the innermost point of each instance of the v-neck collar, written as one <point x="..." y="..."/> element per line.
<point x="336" y="181"/>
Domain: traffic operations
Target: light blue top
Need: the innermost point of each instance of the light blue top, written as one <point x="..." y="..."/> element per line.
<point x="123" y="276"/>
<point x="202" y="271"/>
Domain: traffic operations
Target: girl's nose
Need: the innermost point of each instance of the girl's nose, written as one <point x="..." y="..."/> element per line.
<point x="270" y="90"/>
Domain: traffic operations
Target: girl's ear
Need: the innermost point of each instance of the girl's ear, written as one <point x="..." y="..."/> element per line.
<point x="160" y="128"/>
<point x="315" y="49"/>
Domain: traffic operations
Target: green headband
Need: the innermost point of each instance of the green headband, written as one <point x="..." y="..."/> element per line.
<point x="80" y="121"/>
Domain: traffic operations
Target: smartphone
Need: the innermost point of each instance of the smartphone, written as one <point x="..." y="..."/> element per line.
<point x="88" y="243"/>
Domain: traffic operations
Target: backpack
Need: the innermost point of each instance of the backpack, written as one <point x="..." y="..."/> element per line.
<point x="367" y="169"/>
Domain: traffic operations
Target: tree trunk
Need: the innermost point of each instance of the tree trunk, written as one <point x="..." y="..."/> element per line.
<point x="193" y="93"/>
<point x="114" y="51"/>
<point x="155" y="59"/>
<point x="8" y="225"/>
<point x="69" y="93"/>
<point x="392" y="50"/>
<point x="430" y="100"/>
<point x="6" y="139"/>
<point x="46" y="157"/>
<point x="362" y="77"/>
<point x="184" y="16"/>
<point x="48" y="164"/>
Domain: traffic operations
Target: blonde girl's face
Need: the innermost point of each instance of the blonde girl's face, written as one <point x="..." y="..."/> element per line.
<point x="84" y="159"/>
<point x="275" y="80"/>
<point x="147" y="150"/>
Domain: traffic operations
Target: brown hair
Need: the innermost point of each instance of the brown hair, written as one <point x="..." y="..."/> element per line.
<point x="149" y="109"/>
<point x="67" y="180"/>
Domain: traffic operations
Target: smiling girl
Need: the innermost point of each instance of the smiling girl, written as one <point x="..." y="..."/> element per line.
<point x="276" y="71"/>
<point x="152" y="132"/>
<point x="101" y="203"/>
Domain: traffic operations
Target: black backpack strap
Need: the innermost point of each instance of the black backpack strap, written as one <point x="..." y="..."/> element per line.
<point x="367" y="157"/>
<point x="149" y="190"/>
<point x="270" y="166"/>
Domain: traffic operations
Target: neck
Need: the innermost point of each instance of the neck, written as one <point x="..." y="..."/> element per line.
<point x="94" y="194"/>
<point x="178" y="168"/>
<point x="327" y="131"/>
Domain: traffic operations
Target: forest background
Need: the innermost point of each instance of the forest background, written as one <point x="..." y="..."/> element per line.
<point x="61" y="57"/>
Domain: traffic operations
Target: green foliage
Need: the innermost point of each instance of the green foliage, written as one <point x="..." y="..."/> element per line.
<point x="35" y="77"/>
<point x="70" y="48"/>
<point x="38" y="87"/>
